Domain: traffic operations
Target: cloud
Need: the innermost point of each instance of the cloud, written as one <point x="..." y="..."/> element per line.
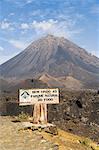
<point x="12" y="14"/>
<point x="51" y="26"/>
<point x="18" y="44"/>
<point x="44" y="25"/>
<point x="58" y="28"/>
<point x="4" y="25"/>
<point x="39" y="25"/>
<point x="24" y="26"/>
<point x="1" y="48"/>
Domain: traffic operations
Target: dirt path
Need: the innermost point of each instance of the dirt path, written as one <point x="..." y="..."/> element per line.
<point x="11" y="138"/>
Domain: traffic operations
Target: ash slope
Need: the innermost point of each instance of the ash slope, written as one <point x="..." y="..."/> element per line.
<point x="55" y="56"/>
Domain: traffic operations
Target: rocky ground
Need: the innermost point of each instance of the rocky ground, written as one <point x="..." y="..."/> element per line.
<point x="14" y="137"/>
<point x="77" y="112"/>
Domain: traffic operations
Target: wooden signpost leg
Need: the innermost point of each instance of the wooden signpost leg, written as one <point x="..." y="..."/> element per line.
<point x="43" y="115"/>
<point x="45" y="109"/>
<point x="36" y="113"/>
<point x="40" y="114"/>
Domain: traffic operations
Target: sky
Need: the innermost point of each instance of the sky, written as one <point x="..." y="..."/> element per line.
<point x="23" y="21"/>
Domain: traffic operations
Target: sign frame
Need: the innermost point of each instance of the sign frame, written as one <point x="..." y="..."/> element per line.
<point x="38" y="96"/>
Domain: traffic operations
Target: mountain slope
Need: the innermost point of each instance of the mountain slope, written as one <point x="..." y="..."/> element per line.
<point x="51" y="81"/>
<point x="54" y="56"/>
<point x="68" y="82"/>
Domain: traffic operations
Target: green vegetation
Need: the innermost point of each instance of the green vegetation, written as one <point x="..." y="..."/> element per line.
<point x="23" y="116"/>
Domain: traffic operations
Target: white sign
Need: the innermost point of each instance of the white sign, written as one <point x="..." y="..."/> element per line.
<point x="34" y="96"/>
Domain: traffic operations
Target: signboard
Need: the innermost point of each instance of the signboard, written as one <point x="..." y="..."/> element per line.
<point x="34" y="96"/>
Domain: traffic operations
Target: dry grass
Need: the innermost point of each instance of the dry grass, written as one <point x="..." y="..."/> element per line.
<point x="68" y="141"/>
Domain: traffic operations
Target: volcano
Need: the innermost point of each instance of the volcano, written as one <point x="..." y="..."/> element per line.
<point x="56" y="58"/>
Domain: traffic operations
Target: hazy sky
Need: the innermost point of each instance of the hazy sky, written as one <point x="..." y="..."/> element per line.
<point x="22" y="21"/>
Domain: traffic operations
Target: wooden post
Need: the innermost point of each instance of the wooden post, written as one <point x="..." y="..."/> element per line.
<point x="43" y="114"/>
<point x="45" y="108"/>
<point x="40" y="114"/>
<point x="36" y="113"/>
